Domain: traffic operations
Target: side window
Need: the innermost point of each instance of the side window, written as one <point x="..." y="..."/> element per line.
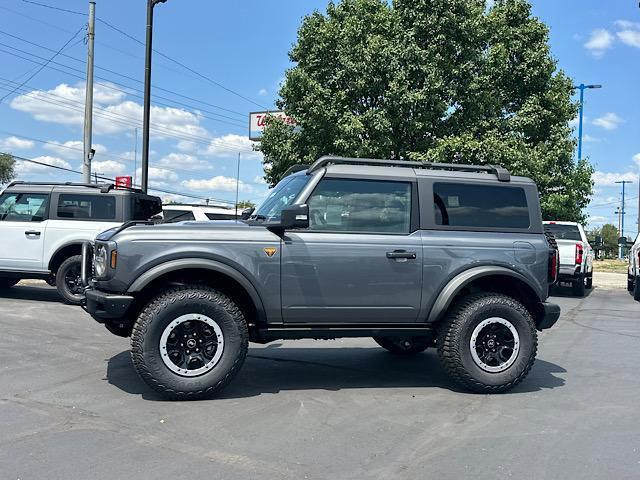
<point x="220" y="216"/>
<point x="175" y="216"/>
<point x="361" y="206"/>
<point x="466" y="205"/>
<point x="86" y="207"/>
<point x="23" y="207"/>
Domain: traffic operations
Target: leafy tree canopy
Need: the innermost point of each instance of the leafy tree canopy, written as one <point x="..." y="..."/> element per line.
<point x="7" y="164"/>
<point x="245" y="204"/>
<point x="433" y="80"/>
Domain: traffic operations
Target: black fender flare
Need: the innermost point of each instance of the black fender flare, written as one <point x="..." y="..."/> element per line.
<point x="199" y="263"/>
<point x="457" y="283"/>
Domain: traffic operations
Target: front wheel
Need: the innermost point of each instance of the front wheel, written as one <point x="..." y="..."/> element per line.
<point x="636" y="289"/>
<point x="579" y="287"/>
<point x="69" y="280"/>
<point x="488" y="342"/>
<point x="404" y="345"/>
<point x="189" y="342"/>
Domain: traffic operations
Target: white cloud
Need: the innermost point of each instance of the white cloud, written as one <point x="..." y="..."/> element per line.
<point x="629" y="37"/>
<point x="108" y="167"/>
<point x="576" y="121"/>
<point x="260" y="179"/>
<point x="599" y="41"/>
<point x="15" y="143"/>
<point x="636" y="158"/>
<point x="596" y="219"/>
<point x="589" y="139"/>
<point x="219" y="183"/>
<point x="28" y="167"/>
<point x="53" y="106"/>
<point x="604" y="179"/>
<point x="72" y="148"/>
<point x="159" y="175"/>
<point x="609" y="121"/>
<point x="625" y="24"/>
<point x="262" y="92"/>
<point x="229" y="145"/>
<point x="184" y="161"/>
<point x="187" y="146"/>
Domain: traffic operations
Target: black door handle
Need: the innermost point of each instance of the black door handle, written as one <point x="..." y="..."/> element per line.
<point x="32" y="233"/>
<point x="401" y="254"/>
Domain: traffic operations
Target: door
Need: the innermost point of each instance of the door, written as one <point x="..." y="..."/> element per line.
<point x="23" y="221"/>
<point x="358" y="261"/>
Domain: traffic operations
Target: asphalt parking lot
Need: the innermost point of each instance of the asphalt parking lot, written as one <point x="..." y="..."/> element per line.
<point x="72" y="407"/>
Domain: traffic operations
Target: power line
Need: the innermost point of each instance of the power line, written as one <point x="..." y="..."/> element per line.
<point x="167" y="57"/>
<point x="130" y="89"/>
<point x="42" y="67"/>
<point x="156" y="189"/>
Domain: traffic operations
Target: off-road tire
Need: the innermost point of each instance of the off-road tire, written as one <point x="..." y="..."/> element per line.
<point x="404" y="345"/>
<point x="454" y="335"/>
<point x="159" y="313"/>
<point x="636" y="290"/>
<point x="63" y="290"/>
<point x="578" y="286"/>
<point x="8" y="282"/>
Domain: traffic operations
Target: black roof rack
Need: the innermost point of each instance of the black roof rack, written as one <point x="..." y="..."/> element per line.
<point x="501" y="173"/>
<point x="103" y="187"/>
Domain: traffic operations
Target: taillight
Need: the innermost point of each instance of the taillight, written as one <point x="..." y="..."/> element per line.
<point x="579" y="253"/>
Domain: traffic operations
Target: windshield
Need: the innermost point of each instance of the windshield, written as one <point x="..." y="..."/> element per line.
<point x="281" y="196"/>
<point x="564" y="232"/>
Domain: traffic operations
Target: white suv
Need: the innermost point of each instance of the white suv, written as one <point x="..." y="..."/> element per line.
<point x="43" y="226"/>
<point x="175" y="212"/>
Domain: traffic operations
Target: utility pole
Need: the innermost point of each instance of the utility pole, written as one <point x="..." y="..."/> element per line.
<point x="88" y="100"/>
<point x="237" y="185"/>
<point x="582" y="88"/>
<point x="135" y="159"/>
<point x="147" y="95"/>
<point x="622" y="213"/>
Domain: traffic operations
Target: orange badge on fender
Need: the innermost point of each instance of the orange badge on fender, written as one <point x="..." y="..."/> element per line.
<point x="270" y="251"/>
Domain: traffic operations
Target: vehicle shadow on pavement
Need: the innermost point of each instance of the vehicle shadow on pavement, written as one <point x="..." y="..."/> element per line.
<point x="275" y="370"/>
<point x="37" y="293"/>
<point x="567" y="292"/>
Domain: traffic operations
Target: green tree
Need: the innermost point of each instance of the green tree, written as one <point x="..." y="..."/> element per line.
<point x="609" y="234"/>
<point x="245" y="204"/>
<point x="432" y="80"/>
<point x="7" y="164"/>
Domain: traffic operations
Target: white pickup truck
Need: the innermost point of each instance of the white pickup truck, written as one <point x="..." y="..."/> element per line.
<point x="576" y="255"/>
<point x="43" y="227"/>
<point x="633" y="277"/>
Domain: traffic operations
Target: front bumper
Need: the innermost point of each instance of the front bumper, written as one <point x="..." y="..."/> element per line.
<point x="106" y="306"/>
<point x="549" y="315"/>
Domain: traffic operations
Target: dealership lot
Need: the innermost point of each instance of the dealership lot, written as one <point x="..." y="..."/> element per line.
<point x="72" y="407"/>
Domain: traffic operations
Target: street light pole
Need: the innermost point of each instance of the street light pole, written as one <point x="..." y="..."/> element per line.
<point x="582" y="88"/>
<point x="147" y="95"/>
<point x="622" y="213"/>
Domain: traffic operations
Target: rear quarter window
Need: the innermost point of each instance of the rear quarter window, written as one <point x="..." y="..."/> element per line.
<point x="480" y="206"/>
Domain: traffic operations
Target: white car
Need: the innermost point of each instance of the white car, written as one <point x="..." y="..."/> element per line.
<point x="633" y="276"/>
<point x="173" y="213"/>
<point x="576" y="255"/>
<point x="43" y="227"/>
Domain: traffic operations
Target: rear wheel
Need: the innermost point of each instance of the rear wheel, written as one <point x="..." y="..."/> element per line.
<point x="636" y="289"/>
<point x="579" y="287"/>
<point x="69" y="281"/>
<point x="589" y="283"/>
<point x="487" y="342"/>
<point x="630" y="283"/>
<point x="8" y="282"/>
<point x="189" y="342"/>
<point x="404" y="345"/>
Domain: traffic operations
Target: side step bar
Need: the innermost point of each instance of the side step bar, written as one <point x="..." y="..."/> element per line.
<point x="333" y="331"/>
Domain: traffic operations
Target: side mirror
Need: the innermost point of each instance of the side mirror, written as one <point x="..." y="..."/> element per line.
<point x="294" y="216"/>
<point x="246" y="213"/>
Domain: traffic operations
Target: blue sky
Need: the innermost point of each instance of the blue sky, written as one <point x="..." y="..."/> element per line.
<point x="242" y="46"/>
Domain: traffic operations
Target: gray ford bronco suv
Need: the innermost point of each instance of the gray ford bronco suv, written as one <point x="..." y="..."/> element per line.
<point x="412" y="254"/>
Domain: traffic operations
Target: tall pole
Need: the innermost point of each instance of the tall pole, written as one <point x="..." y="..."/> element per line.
<point x="237" y="185"/>
<point x="88" y="101"/>
<point x="147" y="95"/>
<point x="135" y="159"/>
<point x="622" y="214"/>
<point x="581" y="87"/>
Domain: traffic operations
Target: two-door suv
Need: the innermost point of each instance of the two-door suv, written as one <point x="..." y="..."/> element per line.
<point x="412" y="254"/>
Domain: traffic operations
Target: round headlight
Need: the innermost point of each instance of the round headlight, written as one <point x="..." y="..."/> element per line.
<point x="100" y="261"/>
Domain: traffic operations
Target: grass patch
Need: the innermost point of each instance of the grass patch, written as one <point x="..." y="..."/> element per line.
<point x="611" y="265"/>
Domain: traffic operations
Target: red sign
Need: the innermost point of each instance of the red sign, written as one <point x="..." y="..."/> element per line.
<point x="124" y="182"/>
